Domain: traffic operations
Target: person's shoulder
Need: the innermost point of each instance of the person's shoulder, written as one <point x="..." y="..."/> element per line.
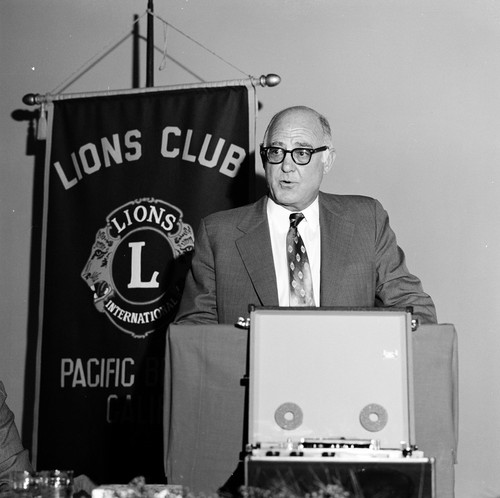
<point x="233" y="215"/>
<point x="348" y="201"/>
<point x="354" y="208"/>
<point x="3" y="398"/>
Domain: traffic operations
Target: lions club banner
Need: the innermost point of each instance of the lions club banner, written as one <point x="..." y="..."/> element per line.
<point x="128" y="178"/>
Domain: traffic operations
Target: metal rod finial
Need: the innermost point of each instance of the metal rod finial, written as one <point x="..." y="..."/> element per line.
<point x="31" y="99"/>
<point x="270" y="80"/>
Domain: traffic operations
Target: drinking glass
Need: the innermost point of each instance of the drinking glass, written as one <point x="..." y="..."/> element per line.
<point x="55" y="483"/>
<point x="24" y="484"/>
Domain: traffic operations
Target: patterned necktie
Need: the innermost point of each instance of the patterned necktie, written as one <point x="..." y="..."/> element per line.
<point x="299" y="271"/>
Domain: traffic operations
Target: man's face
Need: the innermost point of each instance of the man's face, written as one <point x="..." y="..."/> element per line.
<point x="290" y="185"/>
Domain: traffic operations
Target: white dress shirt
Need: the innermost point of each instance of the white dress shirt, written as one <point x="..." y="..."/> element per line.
<point x="279" y="223"/>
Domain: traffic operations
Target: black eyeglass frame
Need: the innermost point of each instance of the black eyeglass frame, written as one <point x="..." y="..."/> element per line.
<point x="265" y="158"/>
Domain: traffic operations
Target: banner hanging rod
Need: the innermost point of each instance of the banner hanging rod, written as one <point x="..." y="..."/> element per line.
<point x="37" y="99"/>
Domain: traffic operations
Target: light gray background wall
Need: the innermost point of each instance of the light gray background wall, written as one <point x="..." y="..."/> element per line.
<point x="412" y="89"/>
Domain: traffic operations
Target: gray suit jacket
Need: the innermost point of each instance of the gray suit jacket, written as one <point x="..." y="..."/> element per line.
<point x="361" y="263"/>
<point x="13" y="456"/>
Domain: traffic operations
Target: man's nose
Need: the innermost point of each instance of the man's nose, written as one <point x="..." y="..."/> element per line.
<point x="288" y="163"/>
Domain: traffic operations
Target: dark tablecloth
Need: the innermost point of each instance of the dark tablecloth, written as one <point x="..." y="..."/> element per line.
<point x="204" y="405"/>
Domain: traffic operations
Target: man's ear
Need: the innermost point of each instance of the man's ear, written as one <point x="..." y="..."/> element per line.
<point x="329" y="161"/>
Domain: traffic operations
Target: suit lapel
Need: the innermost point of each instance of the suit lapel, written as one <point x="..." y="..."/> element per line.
<point x="336" y="236"/>
<point x="255" y="250"/>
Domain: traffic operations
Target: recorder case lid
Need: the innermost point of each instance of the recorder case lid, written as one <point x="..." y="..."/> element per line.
<point x="330" y="374"/>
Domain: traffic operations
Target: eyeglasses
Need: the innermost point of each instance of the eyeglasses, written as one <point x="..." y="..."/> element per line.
<point x="300" y="156"/>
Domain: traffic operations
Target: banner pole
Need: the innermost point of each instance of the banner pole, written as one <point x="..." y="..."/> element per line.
<point x="136" y="71"/>
<point x="264" y="80"/>
<point x="150" y="46"/>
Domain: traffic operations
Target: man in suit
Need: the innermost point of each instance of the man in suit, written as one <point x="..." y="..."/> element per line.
<point x="13" y="456"/>
<point x="353" y="259"/>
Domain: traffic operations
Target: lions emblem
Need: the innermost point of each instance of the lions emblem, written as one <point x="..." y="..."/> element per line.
<point x="137" y="265"/>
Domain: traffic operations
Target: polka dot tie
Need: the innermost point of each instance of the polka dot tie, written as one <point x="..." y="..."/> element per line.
<point x="299" y="271"/>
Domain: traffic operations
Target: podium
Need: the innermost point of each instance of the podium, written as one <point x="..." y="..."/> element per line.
<point x="205" y="403"/>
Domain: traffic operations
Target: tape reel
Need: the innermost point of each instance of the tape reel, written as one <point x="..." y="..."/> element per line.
<point x="373" y="417"/>
<point x="289" y="416"/>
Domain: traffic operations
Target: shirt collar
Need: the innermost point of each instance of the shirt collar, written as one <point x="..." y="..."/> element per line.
<point x="277" y="212"/>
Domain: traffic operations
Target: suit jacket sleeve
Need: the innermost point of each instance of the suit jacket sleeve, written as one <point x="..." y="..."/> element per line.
<point x="13" y="456"/>
<point x="395" y="285"/>
<point x="199" y="300"/>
